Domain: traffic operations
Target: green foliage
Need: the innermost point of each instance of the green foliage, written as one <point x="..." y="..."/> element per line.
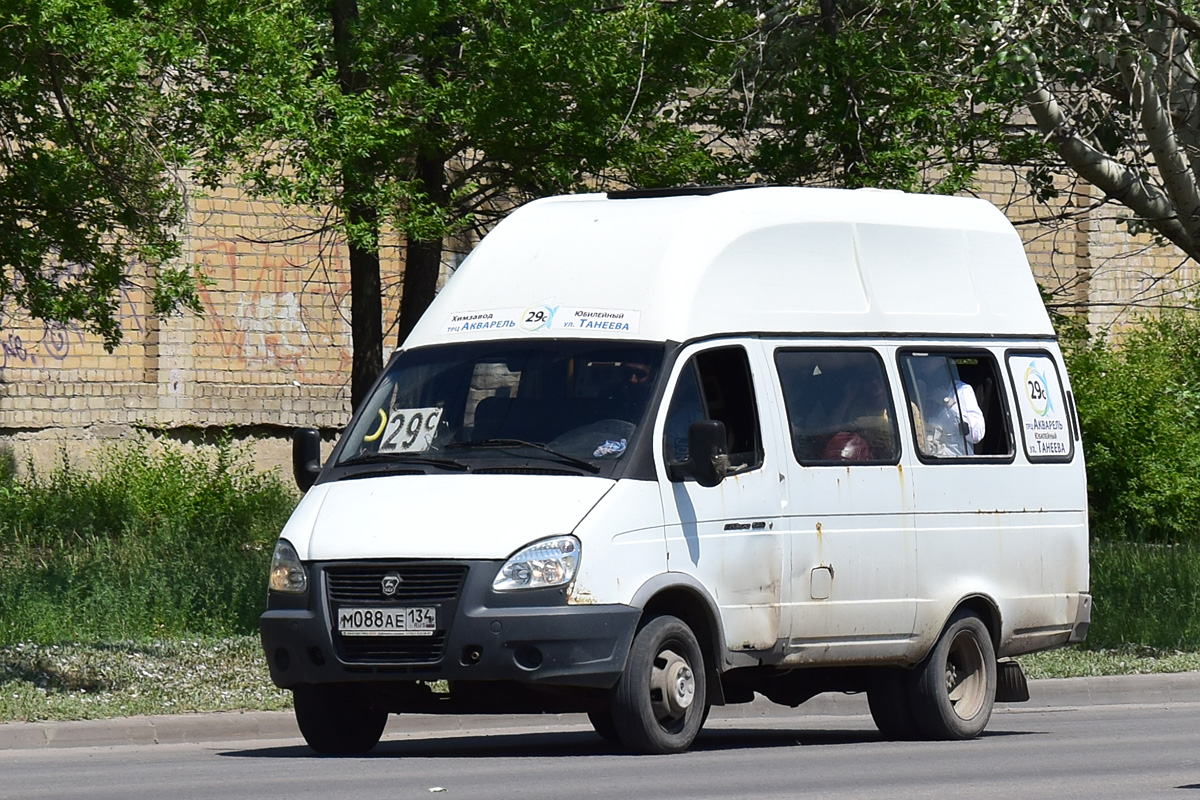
<point x="891" y="95"/>
<point x="86" y="184"/>
<point x="1121" y="78"/>
<point x="157" y="539"/>
<point x="8" y="468"/>
<point x="503" y="100"/>
<point x="1145" y="595"/>
<point x="434" y="117"/>
<point x="1139" y="408"/>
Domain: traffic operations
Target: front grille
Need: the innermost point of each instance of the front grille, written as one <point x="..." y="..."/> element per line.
<point x="408" y="650"/>
<point x="419" y="583"/>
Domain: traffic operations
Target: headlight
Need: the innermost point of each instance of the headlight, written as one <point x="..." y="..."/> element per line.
<point x="550" y="562"/>
<point x="287" y="573"/>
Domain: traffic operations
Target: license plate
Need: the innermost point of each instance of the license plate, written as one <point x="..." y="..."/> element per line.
<point x="387" y="621"/>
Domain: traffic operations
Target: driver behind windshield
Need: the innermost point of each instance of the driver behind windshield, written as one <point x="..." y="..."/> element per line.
<point x="581" y="398"/>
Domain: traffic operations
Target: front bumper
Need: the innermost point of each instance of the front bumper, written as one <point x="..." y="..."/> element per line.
<point x="530" y="637"/>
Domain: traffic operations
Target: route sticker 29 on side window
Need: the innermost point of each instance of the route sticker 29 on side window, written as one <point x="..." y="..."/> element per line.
<point x="410" y="430"/>
<point x="1045" y="425"/>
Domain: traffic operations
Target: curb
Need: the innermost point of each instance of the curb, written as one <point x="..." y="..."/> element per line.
<point x="1183" y="687"/>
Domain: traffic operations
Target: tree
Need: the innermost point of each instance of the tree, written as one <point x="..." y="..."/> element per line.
<point x="1113" y="89"/>
<point x="427" y="117"/>
<point x="855" y="93"/>
<point x="87" y="158"/>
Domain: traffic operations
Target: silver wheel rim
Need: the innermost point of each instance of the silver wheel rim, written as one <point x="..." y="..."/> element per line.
<point x="966" y="675"/>
<point x="672" y="686"/>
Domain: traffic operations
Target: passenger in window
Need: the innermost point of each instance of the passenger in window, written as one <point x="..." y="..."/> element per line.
<point x="846" y="446"/>
<point x="946" y="411"/>
<point x="864" y="412"/>
<point x="850" y="421"/>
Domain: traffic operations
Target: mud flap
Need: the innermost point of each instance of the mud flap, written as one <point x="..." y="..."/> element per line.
<point x="1011" y="686"/>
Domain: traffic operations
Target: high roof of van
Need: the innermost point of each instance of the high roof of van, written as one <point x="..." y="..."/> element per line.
<point x="752" y="260"/>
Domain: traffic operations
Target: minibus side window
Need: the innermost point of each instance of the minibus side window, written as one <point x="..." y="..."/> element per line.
<point x="716" y="384"/>
<point x="1048" y="429"/>
<point x="955" y="405"/>
<point x="839" y="406"/>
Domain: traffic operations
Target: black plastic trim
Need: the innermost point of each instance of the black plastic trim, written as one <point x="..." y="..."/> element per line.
<point x="584" y="645"/>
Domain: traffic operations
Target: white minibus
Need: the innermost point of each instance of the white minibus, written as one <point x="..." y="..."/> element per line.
<point x="651" y="452"/>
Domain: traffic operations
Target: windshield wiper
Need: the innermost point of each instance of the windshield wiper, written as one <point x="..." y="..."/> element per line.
<point x="506" y="443"/>
<point x="405" y="458"/>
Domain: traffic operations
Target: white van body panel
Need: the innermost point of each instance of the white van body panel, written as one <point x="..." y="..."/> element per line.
<point x="853" y="545"/>
<point x="458" y="516"/>
<point x="679" y="268"/>
<point x="1015" y="533"/>
<point x="729" y="538"/>
<point x="621" y="543"/>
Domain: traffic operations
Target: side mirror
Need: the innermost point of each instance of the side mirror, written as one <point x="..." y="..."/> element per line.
<point x="306" y="457"/>
<point x="708" y="455"/>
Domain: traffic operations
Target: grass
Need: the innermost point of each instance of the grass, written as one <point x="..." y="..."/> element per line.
<point x="77" y="681"/>
<point x="1145" y="595"/>
<point x="1075" y="662"/>
<point x="157" y="540"/>
<point x="159" y="554"/>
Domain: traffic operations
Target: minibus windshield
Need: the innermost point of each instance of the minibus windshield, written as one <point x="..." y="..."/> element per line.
<point x="571" y="405"/>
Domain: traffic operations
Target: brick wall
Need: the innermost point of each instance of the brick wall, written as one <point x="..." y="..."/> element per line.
<point x="1083" y="254"/>
<point x="272" y="350"/>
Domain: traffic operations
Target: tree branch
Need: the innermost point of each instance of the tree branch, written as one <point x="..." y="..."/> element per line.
<point x="1105" y="173"/>
<point x="1189" y="24"/>
<point x="1177" y="178"/>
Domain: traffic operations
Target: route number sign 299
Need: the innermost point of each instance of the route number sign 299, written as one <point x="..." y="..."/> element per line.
<point x="410" y="430"/>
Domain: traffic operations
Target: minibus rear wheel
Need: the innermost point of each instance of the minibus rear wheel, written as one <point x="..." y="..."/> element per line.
<point x="660" y="701"/>
<point x="954" y="688"/>
<point x="337" y="719"/>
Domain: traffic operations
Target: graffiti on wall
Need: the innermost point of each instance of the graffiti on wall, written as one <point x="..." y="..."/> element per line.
<point x="281" y="313"/>
<point x="53" y="346"/>
<point x="30" y="343"/>
<point x="277" y="311"/>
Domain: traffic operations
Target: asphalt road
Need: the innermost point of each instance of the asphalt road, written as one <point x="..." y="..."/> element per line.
<point x="1097" y="738"/>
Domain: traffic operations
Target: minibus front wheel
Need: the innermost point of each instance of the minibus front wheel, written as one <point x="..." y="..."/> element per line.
<point x="954" y="688"/>
<point x="600" y="715"/>
<point x="660" y="701"/>
<point x="337" y="719"/>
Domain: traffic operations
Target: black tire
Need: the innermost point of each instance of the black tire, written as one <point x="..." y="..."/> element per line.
<point x="337" y="720"/>
<point x="659" y="702"/>
<point x="600" y="715"/>
<point x="954" y="689"/>
<point x="888" y="698"/>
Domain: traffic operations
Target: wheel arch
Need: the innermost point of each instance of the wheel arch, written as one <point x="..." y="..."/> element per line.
<point x="986" y="609"/>
<point x="682" y="596"/>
